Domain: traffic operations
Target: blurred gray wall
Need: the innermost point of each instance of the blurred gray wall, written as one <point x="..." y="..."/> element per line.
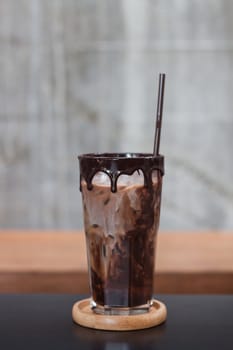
<point x="81" y="75"/>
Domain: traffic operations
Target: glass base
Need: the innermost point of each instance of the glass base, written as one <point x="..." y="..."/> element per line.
<point x="119" y="310"/>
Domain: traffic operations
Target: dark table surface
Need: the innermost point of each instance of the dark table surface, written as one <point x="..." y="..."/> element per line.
<point x="44" y="322"/>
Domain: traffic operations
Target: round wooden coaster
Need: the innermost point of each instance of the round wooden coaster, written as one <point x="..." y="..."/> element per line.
<point x="84" y="316"/>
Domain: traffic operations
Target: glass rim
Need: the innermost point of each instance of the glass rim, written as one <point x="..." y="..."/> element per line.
<point x="119" y="156"/>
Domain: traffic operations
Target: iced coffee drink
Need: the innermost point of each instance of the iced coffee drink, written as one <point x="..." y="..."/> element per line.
<point x="121" y="203"/>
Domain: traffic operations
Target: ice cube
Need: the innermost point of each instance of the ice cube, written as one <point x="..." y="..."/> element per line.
<point x="136" y="178"/>
<point x="101" y="178"/>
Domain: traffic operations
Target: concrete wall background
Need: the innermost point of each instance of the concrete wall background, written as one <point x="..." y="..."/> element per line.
<point x="81" y="75"/>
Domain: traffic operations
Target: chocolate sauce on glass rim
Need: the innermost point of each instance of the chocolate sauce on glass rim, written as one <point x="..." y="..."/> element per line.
<point x="116" y="164"/>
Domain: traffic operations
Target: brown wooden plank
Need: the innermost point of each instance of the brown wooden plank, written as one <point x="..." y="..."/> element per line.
<point x="55" y="262"/>
<point x="194" y="283"/>
<point x="195" y="252"/>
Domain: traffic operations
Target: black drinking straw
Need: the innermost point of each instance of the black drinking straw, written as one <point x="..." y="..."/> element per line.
<point x="159" y="114"/>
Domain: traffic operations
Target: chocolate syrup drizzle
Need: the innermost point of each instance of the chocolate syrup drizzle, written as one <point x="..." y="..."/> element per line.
<point x="116" y="164"/>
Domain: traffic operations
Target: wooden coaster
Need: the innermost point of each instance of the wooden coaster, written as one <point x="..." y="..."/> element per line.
<point x="84" y="316"/>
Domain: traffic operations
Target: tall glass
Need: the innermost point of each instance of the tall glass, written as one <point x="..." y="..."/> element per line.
<point x="121" y="204"/>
